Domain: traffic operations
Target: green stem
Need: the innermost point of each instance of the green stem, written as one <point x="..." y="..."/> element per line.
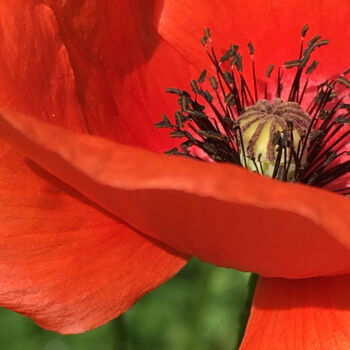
<point x="250" y="295"/>
<point x="198" y="310"/>
<point x="120" y="335"/>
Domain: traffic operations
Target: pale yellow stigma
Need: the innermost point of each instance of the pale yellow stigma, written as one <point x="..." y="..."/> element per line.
<point x="271" y="132"/>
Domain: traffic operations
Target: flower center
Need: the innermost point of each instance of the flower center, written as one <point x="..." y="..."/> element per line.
<point x="225" y="119"/>
<point x="272" y="133"/>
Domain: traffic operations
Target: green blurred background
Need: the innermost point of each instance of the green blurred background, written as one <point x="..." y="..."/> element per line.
<point x="202" y="308"/>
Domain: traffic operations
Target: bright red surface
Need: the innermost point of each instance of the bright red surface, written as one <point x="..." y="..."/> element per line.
<point x="86" y="67"/>
<point x="303" y="314"/>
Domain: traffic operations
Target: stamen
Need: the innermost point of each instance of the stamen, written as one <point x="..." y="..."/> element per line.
<point x="279" y="138"/>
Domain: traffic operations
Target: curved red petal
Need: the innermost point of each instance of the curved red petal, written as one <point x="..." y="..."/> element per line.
<point x="304" y="314"/>
<point x="83" y="65"/>
<point x="220" y="213"/>
<point x="36" y="75"/>
<point x="64" y="262"/>
<point x="272" y="26"/>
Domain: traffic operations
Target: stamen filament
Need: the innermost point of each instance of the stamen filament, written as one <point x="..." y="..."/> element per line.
<point x="300" y="146"/>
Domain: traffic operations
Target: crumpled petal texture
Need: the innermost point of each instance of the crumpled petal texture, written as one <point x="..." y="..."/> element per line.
<point x="272" y="26"/>
<point x="312" y="314"/>
<point x="74" y="64"/>
<point x="63" y="261"/>
<point x="220" y="213"/>
<point x="84" y="64"/>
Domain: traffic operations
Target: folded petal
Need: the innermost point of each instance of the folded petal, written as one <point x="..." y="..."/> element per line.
<point x="64" y="262"/>
<point x="304" y="314"/>
<point x="220" y="213"/>
<point x="83" y="64"/>
<point x="36" y="75"/>
<point x="272" y="26"/>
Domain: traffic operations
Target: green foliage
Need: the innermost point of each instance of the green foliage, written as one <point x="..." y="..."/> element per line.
<point x="202" y="308"/>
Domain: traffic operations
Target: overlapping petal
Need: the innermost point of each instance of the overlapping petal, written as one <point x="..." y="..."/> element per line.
<point x="83" y="64"/>
<point x="36" y="75"/>
<point x="86" y="67"/>
<point x="220" y="213"/>
<point x="304" y="314"/>
<point x="64" y="262"/>
<point x="272" y="26"/>
<point x="73" y="64"/>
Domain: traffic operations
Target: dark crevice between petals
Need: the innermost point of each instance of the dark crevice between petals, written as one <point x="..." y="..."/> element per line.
<point x="102" y="53"/>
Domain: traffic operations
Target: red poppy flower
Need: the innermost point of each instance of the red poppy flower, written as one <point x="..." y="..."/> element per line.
<point x="104" y="219"/>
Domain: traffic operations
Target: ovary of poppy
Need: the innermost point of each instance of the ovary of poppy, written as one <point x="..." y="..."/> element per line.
<point x="220" y="213"/>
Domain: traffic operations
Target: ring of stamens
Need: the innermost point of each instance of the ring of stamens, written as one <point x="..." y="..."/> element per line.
<point x="317" y="159"/>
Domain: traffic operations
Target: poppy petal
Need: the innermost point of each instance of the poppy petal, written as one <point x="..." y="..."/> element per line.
<point x="36" y="75"/>
<point x="304" y="314"/>
<point x="65" y="262"/>
<point x="272" y="26"/>
<point x="81" y="65"/>
<point x="220" y="213"/>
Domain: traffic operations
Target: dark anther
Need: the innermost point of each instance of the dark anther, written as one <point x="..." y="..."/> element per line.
<point x="225" y="117"/>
